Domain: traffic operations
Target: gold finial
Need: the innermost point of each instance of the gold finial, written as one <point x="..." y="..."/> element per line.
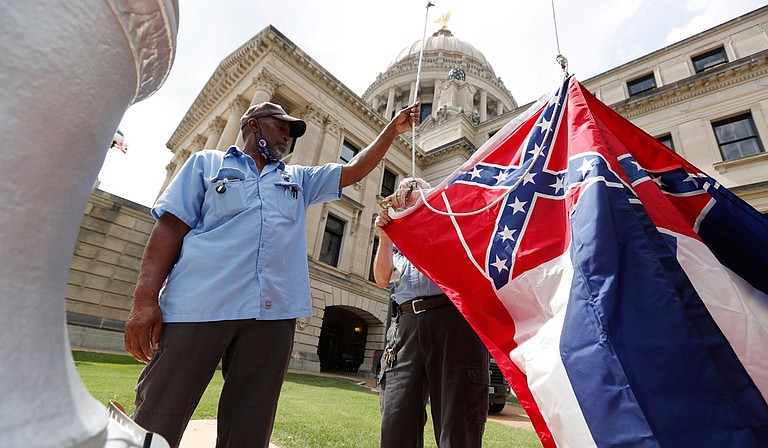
<point x="443" y="21"/>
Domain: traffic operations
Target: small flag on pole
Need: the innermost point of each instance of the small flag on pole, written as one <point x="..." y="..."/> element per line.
<point x="118" y="141"/>
<point x="622" y="291"/>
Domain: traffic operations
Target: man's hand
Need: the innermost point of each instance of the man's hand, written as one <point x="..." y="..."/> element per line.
<point x="382" y="219"/>
<point x="407" y="118"/>
<point x="142" y="330"/>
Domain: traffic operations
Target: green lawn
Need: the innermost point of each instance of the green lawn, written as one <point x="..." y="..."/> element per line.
<point x="314" y="411"/>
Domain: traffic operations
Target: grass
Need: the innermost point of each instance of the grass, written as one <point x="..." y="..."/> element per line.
<point x="314" y="411"/>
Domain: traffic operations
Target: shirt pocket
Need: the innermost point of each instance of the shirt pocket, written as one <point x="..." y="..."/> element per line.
<point x="229" y="196"/>
<point x="289" y="194"/>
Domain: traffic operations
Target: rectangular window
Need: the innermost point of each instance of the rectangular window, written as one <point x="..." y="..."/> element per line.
<point x="737" y="137"/>
<point x="710" y="59"/>
<point x="348" y="150"/>
<point x="642" y="84"/>
<point x="667" y="140"/>
<point x="373" y="258"/>
<point x="331" y="248"/>
<point x="426" y="111"/>
<point x="388" y="183"/>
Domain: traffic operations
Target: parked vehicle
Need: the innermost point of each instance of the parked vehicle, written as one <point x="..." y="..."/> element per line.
<point x="498" y="391"/>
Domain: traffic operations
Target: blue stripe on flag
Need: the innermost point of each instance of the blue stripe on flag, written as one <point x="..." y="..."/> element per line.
<point x="629" y="341"/>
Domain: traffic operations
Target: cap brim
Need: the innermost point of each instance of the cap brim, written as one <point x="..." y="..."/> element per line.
<point x="298" y="128"/>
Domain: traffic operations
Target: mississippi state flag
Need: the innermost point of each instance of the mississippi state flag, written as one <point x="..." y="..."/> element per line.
<point x="621" y="290"/>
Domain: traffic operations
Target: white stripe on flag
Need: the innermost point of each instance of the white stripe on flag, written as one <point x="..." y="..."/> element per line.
<point x="538" y="352"/>
<point x="740" y="310"/>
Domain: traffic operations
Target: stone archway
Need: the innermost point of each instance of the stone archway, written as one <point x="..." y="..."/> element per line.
<point x="343" y="335"/>
<point x="349" y="336"/>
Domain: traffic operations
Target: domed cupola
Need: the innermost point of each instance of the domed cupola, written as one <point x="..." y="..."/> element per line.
<point x="443" y="41"/>
<point x="456" y="78"/>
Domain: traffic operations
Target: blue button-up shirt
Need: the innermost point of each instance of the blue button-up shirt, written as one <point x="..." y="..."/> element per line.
<point x="412" y="283"/>
<point x="246" y="253"/>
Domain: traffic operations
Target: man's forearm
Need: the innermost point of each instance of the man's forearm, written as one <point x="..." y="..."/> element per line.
<point x="383" y="265"/>
<point x="367" y="159"/>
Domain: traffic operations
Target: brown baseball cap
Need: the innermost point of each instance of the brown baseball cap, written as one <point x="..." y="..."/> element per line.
<point x="267" y="109"/>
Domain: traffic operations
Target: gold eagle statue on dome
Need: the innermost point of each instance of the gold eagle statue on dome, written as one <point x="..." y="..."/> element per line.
<point x="443" y="21"/>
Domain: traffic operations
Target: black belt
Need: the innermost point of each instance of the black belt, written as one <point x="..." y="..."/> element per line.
<point x="422" y="304"/>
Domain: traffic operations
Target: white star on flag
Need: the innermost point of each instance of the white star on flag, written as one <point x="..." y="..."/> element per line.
<point x="586" y="166"/>
<point x="501" y="177"/>
<point x="507" y="233"/>
<point x="517" y="206"/>
<point x="558" y="185"/>
<point x="536" y="150"/>
<point x="658" y="181"/>
<point x="529" y="178"/>
<point x="544" y="125"/>
<point x="499" y="264"/>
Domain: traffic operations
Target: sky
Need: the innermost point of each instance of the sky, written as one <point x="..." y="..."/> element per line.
<point x="357" y="40"/>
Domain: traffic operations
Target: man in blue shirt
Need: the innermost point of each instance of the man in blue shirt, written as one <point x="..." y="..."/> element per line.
<point x="229" y="252"/>
<point x="431" y="352"/>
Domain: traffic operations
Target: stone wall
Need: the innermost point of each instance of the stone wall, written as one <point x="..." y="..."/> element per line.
<point x="105" y="265"/>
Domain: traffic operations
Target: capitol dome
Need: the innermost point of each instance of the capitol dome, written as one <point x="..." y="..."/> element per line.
<point x="456" y="79"/>
<point x="443" y="41"/>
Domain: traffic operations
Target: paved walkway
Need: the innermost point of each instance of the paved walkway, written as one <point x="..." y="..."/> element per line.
<point x="202" y="433"/>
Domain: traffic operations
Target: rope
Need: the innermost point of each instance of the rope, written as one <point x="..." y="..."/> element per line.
<point x="490" y="204"/>
<point x="560" y="59"/>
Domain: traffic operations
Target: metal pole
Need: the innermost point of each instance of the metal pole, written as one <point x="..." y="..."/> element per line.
<point x="416" y="90"/>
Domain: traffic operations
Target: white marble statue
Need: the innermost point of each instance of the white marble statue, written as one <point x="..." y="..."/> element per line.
<point x="68" y="72"/>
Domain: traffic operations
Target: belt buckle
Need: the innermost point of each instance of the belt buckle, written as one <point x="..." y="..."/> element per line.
<point x="413" y="306"/>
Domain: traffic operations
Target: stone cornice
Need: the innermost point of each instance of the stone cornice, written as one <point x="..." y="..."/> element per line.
<point x="461" y="145"/>
<point x="727" y="75"/>
<point x="755" y="188"/>
<point x="231" y="71"/>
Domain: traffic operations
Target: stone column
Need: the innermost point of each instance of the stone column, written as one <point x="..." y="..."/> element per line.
<point x="414" y="94"/>
<point x="435" y="97"/>
<point x="215" y="129"/>
<point x="390" y="103"/>
<point x="483" y="105"/>
<point x="499" y="107"/>
<point x="236" y="109"/>
<point x="179" y="157"/>
<point x="115" y="53"/>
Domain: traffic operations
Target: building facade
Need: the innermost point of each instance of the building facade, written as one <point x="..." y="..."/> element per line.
<point x="706" y="97"/>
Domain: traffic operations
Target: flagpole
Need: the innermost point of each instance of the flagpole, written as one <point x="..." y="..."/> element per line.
<point x="416" y="91"/>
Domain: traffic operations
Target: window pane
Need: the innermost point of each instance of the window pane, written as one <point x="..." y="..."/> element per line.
<point x="737" y="137"/>
<point x="348" y="151"/>
<point x="739" y="149"/>
<point x="331" y="247"/>
<point x="709" y="59"/>
<point x="734" y="131"/>
<point x="426" y="111"/>
<point x="389" y="183"/>
<point x="667" y="140"/>
<point x="373" y="258"/>
<point x="641" y="84"/>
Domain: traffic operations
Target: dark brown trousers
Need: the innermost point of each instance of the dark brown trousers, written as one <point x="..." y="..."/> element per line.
<point x="254" y="356"/>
